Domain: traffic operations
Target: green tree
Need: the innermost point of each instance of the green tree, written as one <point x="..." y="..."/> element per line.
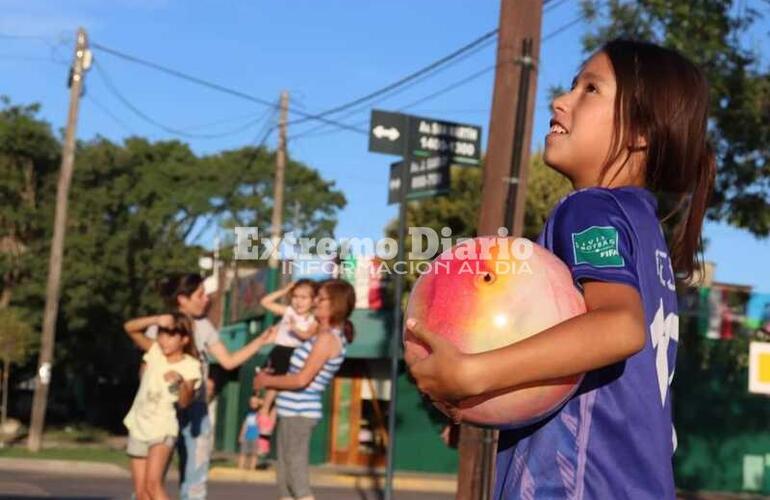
<point x="17" y="340"/>
<point x="135" y="208"/>
<point x="710" y="32"/>
<point x="245" y="183"/>
<point x="29" y="153"/>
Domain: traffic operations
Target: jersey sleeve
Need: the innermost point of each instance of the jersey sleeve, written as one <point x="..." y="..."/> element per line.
<point x="593" y="235"/>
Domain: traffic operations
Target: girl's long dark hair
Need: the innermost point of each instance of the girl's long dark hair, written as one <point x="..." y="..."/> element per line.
<point x="174" y="285"/>
<point x="664" y="98"/>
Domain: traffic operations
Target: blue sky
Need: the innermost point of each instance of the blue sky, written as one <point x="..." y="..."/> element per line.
<point x="324" y="53"/>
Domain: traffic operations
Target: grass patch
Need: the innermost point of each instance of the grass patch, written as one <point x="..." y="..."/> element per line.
<point x="77" y="434"/>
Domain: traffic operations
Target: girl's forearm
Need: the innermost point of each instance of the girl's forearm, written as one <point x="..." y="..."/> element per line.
<point x="230" y="361"/>
<point x="185" y="394"/>
<point x="135" y="330"/>
<point x="270" y="301"/>
<point x="140" y="324"/>
<point x="592" y="340"/>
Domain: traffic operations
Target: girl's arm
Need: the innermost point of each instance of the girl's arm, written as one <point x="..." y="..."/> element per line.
<point x="325" y="347"/>
<point x="611" y="330"/>
<point x="270" y="301"/>
<point x="230" y="360"/>
<point x="136" y="327"/>
<point x="186" y="392"/>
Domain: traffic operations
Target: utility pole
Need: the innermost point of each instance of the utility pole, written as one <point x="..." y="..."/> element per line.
<point x="81" y="63"/>
<point x="280" y="169"/>
<point x="504" y="188"/>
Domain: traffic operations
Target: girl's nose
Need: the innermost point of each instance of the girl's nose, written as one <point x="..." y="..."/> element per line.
<point x="559" y="103"/>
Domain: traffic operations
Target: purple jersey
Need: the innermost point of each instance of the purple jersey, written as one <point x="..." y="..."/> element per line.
<point x="614" y="438"/>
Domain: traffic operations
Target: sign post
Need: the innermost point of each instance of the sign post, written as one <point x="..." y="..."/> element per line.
<point x="429" y="148"/>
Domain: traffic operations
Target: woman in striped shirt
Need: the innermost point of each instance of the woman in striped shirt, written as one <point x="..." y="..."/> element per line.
<point x="312" y="366"/>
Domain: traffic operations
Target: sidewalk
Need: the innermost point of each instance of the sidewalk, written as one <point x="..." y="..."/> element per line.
<point x="320" y="476"/>
<point x="336" y="477"/>
<point x="324" y="476"/>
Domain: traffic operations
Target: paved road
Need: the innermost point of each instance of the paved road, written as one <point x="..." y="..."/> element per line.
<point x="32" y="485"/>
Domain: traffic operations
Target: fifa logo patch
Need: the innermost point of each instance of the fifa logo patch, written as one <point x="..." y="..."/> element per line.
<point x="597" y="246"/>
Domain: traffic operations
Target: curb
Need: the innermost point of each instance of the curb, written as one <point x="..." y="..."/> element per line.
<point x="339" y="480"/>
<point x="100" y="469"/>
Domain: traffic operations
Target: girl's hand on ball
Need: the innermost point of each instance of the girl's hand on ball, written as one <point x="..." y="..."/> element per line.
<point x="444" y="374"/>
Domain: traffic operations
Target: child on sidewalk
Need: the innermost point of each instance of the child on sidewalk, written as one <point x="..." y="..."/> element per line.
<point x="171" y="375"/>
<point x="249" y="436"/>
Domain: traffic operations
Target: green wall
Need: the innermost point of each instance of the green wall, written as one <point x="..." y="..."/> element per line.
<point x="718" y="422"/>
<point x="418" y="433"/>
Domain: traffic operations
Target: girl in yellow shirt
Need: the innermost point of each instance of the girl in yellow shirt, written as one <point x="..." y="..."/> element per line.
<point x="171" y="375"/>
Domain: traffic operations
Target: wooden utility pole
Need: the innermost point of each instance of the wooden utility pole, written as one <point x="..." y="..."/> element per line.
<point x="280" y="169"/>
<point x="504" y="188"/>
<point x="80" y="64"/>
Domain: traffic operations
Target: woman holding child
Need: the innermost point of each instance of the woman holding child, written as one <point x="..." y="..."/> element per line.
<point x="312" y="367"/>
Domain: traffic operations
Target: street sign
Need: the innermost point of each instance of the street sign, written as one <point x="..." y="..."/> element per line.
<point x="387" y="133"/>
<point x="426" y="177"/>
<point x="415" y="136"/>
<point x="459" y="142"/>
<point x="394" y="183"/>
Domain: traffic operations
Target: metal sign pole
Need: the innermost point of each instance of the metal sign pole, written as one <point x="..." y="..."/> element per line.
<point x="395" y="341"/>
<point x="428" y="148"/>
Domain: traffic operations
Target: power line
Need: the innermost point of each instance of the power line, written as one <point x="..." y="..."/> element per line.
<point x="218" y="87"/>
<point x="562" y="28"/>
<point x="104" y="109"/>
<point x="554" y="6"/>
<point x="421" y="100"/>
<point x="224" y="120"/>
<point x="365" y="107"/>
<point x="422" y="71"/>
<point x="452" y="86"/>
<point x="176" y="131"/>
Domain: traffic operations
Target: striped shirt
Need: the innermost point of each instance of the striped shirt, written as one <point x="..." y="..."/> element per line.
<point x="306" y="402"/>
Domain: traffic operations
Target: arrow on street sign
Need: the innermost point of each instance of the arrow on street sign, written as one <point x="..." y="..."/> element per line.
<point x="387" y="132"/>
<point x="394" y="183"/>
<point x="390" y="133"/>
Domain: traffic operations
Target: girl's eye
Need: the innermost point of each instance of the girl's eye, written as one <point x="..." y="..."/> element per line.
<point x="591" y="88"/>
